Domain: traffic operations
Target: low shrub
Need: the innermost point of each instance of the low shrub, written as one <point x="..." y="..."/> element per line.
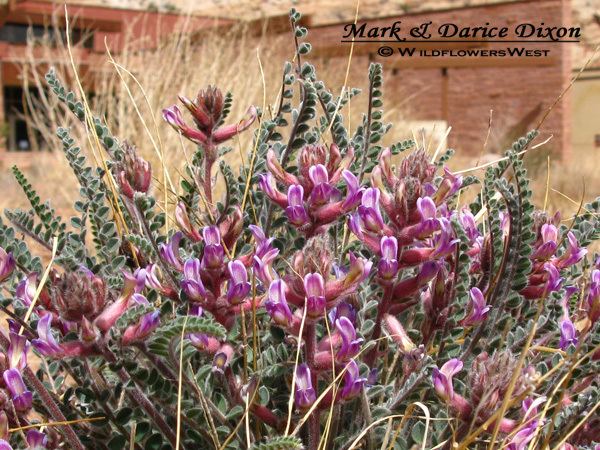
<point x="325" y="299"/>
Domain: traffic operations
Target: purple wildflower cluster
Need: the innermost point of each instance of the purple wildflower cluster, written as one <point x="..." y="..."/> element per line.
<point x="395" y="237"/>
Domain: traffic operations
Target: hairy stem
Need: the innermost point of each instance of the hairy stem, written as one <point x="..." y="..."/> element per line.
<point x="314" y="429"/>
<point x="140" y="399"/>
<point x="382" y="308"/>
<point x="55" y="412"/>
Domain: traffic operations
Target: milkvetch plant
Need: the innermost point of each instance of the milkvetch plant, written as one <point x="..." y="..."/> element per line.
<point x="330" y="293"/>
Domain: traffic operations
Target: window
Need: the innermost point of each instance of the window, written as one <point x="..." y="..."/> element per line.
<point x="16" y="33"/>
<point x="18" y="138"/>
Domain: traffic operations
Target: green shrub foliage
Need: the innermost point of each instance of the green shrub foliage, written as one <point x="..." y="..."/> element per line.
<point x="333" y="295"/>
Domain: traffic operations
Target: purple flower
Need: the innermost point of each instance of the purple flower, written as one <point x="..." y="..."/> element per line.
<point x="547" y="248"/>
<point x="263" y="266"/>
<point x="36" y="440"/>
<point x="322" y="192"/>
<point x="212" y="257"/>
<point x="267" y="184"/>
<point x="276" y="304"/>
<point x="172" y="116"/>
<point x="521" y="438"/>
<point x="21" y="397"/>
<point x="238" y="283"/>
<point x="573" y="254"/>
<point x="350" y="344"/>
<point x="354" y="192"/>
<point x="477" y="308"/>
<point x="169" y="252"/>
<point x="263" y="244"/>
<point x="17" y="351"/>
<point x="388" y="265"/>
<point x="355" y="225"/>
<point x="151" y="277"/>
<point x="192" y="282"/>
<point x="442" y="378"/>
<point x="222" y="358"/>
<point x="443" y="244"/>
<point x="141" y="330"/>
<point x="449" y="186"/>
<point x="467" y="220"/>
<point x="343" y="309"/>
<point x="428" y="271"/>
<point x="369" y="212"/>
<point x="554" y="280"/>
<point x="568" y="334"/>
<point x="133" y="283"/>
<point x="305" y="393"/>
<point x="295" y="210"/>
<point x="46" y="344"/>
<point x="593" y="296"/>
<point x="7" y="264"/>
<point x="314" y="286"/>
<point x="264" y="255"/>
<point x="5" y="445"/>
<point x="196" y="310"/>
<point x="353" y="383"/>
<point x="372" y="377"/>
<point x="198" y="340"/>
<point x="26" y="288"/>
<point x="426" y="208"/>
<point x="549" y="233"/>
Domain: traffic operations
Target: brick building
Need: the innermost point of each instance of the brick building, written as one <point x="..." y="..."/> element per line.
<point x="91" y="25"/>
<point x="461" y="91"/>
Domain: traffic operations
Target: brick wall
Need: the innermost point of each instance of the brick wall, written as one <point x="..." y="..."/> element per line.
<point x="462" y="91"/>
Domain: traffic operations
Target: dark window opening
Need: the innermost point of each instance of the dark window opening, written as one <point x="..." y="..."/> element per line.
<point x="19" y="137"/>
<point x="16" y="33"/>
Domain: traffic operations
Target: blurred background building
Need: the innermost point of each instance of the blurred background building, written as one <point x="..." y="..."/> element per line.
<point x="459" y="92"/>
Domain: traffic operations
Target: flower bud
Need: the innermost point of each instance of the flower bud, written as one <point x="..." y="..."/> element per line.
<point x="183" y="220"/>
<point x="89" y="332"/>
<point x="77" y="295"/>
<point x="134" y="173"/>
<point x="398" y="334"/>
